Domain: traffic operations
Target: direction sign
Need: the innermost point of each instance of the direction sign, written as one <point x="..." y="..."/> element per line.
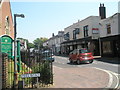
<point x="30" y="75"/>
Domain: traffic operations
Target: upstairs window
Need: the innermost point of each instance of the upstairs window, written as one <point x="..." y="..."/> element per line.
<point x="74" y="35"/>
<point x="66" y="36"/>
<point x="108" y="28"/>
<point x="75" y="32"/>
<point x="85" y="28"/>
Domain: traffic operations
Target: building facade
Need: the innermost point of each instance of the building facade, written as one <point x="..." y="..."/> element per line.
<point x="83" y="34"/>
<point x="54" y="42"/>
<point x="110" y="36"/>
<point x="6" y="21"/>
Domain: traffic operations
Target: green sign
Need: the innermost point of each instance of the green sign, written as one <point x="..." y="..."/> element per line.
<point x="6" y="45"/>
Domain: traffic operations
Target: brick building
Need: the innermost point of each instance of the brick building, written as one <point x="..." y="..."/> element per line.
<point x="6" y="20"/>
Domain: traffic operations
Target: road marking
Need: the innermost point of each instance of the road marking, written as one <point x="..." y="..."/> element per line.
<point x="110" y="77"/>
<point x="116" y="75"/>
<point x="58" y="67"/>
<point x="66" y="58"/>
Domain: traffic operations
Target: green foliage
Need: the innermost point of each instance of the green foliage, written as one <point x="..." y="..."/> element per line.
<point x="30" y="45"/>
<point x="38" y="42"/>
<point x="44" y="68"/>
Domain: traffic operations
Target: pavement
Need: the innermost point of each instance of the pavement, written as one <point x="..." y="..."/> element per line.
<point x="113" y="60"/>
<point x="80" y="78"/>
<point x="84" y="77"/>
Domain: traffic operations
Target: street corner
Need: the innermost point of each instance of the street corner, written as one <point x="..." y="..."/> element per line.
<point x="113" y="79"/>
<point x="86" y="77"/>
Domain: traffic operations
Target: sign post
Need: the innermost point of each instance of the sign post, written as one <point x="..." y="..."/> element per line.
<point x="31" y="76"/>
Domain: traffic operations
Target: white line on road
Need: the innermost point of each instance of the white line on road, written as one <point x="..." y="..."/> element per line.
<point x="110" y="78"/>
<point x="58" y="67"/>
<point x="66" y="58"/>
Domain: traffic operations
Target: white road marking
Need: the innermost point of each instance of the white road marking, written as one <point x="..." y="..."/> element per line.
<point x="110" y="77"/>
<point x="61" y="57"/>
<point x="58" y="67"/>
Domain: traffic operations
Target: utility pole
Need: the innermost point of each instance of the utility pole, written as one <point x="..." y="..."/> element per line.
<point x="15" y="49"/>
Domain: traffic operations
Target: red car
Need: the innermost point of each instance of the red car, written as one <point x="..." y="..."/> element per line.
<point x="81" y="55"/>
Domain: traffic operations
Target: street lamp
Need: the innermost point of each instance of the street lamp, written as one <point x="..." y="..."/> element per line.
<point x="15" y="48"/>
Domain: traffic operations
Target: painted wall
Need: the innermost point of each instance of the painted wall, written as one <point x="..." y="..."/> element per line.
<point x="91" y="21"/>
<point x="113" y="21"/>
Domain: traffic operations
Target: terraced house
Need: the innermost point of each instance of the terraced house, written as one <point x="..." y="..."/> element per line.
<point x="6" y="21"/>
<point x="83" y="34"/>
<point x="110" y="36"/>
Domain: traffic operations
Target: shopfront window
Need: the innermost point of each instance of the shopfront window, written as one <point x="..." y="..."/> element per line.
<point x="107" y="47"/>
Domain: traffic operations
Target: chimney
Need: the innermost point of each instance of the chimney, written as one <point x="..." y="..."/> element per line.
<point x="102" y="11"/>
<point x="53" y="35"/>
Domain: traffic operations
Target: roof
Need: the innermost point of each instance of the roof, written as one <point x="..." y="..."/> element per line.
<point x="110" y="17"/>
<point x="81" y="21"/>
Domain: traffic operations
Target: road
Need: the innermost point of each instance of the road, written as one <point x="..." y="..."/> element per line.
<point x="112" y="69"/>
<point x="63" y="62"/>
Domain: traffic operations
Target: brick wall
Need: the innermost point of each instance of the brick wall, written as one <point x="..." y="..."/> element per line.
<point x="6" y="16"/>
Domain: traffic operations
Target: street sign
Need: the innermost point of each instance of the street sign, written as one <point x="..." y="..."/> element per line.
<point x="30" y="75"/>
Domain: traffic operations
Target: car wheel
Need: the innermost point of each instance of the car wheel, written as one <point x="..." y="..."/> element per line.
<point x="78" y="61"/>
<point x="70" y="61"/>
<point x="90" y="61"/>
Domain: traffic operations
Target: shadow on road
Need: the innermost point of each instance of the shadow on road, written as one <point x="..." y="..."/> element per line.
<point x="78" y="64"/>
<point x="109" y="60"/>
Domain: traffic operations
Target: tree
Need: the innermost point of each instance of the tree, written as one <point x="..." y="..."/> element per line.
<point x="30" y="45"/>
<point x="38" y="42"/>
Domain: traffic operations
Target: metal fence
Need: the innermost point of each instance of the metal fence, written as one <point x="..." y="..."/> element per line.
<point x="32" y="62"/>
<point x="7" y="71"/>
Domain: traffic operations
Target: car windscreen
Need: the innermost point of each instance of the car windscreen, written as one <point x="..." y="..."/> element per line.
<point x="83" y="51"/>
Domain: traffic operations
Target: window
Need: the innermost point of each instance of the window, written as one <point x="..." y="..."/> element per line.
<point x="75" y="32"/>
<point x="107" y="47"/>
<point x="108" y="28"/>
<point x="83" y="51"/>
<point x="85" y="28"/>
<point x="66" y="36"/>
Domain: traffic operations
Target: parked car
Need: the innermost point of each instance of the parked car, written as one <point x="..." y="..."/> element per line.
<point x="81" y="55"/>
<point x="48" y="55"/>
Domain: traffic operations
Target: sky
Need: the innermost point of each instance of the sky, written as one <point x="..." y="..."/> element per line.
<point x="42" y="18"/>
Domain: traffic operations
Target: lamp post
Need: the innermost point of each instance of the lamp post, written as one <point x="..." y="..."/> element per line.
<point x="15" y="48"/>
